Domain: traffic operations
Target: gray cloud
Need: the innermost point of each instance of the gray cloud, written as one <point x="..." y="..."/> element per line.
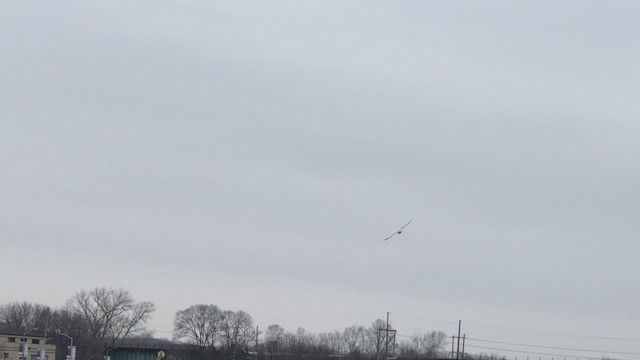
<point x="269" y="147"/>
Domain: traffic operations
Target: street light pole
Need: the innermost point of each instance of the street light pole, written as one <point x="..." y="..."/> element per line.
<point x="43" y="352"/>
<point x="71" y="355"/>
<point x="25" y="345"/>
<point x="67" y="336"/>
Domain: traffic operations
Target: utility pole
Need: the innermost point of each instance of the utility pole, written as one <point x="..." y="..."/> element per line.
<point x="464" y="337"/>
<point x="257" y="334"/>
<point x="458" y="350"/>
<point x="389" y="338"/>
<point x="453" y="341"/>
<point x="386" y="343"/>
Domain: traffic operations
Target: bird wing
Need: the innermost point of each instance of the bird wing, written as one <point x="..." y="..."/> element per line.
<point x="389" y="237"/>
<point x="405" y="225"/>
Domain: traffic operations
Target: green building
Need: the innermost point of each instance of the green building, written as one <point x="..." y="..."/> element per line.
<point x="157" y="349"/>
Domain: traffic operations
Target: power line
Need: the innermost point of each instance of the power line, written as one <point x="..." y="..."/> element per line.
<point x="535" y="352"/>
<point x="510" y="329"/>
<point x="501" y="328"/>
<point x="319" y="316"/>
<point x="425" y="319"/>
<point x="556" y="347"/>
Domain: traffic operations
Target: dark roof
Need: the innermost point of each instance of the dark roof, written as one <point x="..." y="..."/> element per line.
<point x="152" y="343"/>
<point x="6" y="330"/>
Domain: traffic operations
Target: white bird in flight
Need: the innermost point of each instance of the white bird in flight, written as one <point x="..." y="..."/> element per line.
<point x="397" y="232"/>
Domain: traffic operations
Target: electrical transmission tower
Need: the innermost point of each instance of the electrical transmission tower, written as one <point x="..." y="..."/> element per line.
<point x="389" y="338"/>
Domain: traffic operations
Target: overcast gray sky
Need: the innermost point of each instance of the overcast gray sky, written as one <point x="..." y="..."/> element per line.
<point x="253" y="155"/>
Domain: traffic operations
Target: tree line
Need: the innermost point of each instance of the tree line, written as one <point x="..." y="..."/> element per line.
<point x="102" y="318"/>
<point x="96" y="319"/>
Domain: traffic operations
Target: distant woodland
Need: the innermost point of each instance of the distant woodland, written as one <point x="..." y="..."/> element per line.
<point x="103" y="318"/>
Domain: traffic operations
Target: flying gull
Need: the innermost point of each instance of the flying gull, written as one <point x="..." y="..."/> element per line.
<point x="397" y="232"/>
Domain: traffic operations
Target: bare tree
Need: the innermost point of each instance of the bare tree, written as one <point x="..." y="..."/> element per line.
<point x="41" y="317"/>
<point x="200" y="324"/>
<point x="355" y="339"/>
<point x="429" y="345"/>
<point x="274" y="338"/>
<point x="335" y="341"/>
<point x="289" y="341"/>
<point x="237" y="329"/>
<point x="408" y="350"/>
<point x="376" y="339"/>
<point x="304" y="342"/>
<point x="25" y="315"/>
<point x="72" y="324"/>
<point x="436" y="343"/>
<point x="244" y="323"/>
<point x="15" y="314"/>
<point x="111" y="315"/>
